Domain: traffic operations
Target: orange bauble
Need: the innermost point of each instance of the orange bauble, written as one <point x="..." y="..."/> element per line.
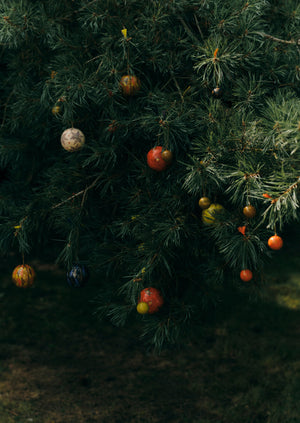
<point x="130" y="84"/>
<point x="23" y="276"/>
<point x="155" y="160"/>
<point x="246" y="275"/>
<point x="275" y="242"/>
<point x="153" y="298"/>
<point x="249" y="211"/>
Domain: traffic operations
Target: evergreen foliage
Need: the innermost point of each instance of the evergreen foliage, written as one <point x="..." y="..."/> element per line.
<point x="103" y="205"/>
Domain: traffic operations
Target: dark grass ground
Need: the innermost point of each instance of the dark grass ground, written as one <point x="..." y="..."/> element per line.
<point x="59" y="365"/>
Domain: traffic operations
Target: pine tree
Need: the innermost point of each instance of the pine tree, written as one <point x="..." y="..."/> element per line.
<point x="219" y="89"/>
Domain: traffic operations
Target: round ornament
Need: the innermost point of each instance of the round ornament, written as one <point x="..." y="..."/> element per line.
<point x="130" y="85"/>
<point x="167" y="156"/>
<point x="249" y="211"/>
<point x="153" y="298"/>
<point x="210" y="216"/>
<point x="275" y="242"/>
<point x="72" y="139"/>
<point x="155" y="160"/>
<point x="246" y="275"/>
<point x="204" y="203"/>
<point x="217" y="92"/>
<point x="77" y="276"/>
<point x="142" y="308"/>
<point x="23" y="276"/>
<point x="55" y="110"/>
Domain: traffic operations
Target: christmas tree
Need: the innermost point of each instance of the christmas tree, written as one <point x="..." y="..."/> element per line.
<point x="155" y="143"/>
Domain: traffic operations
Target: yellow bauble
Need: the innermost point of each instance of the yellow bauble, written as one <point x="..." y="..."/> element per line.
<point x="23" y="276"/>
<point x="210" y="215"/>
<point x="142" y="308"/>
<point x="55" y="110"/>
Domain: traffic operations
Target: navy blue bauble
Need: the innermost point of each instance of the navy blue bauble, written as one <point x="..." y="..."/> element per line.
<point x="77" y="276"/>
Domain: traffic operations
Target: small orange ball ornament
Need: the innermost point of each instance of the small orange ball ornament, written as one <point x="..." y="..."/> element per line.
<point x="246" y="275"/>
<point x="130" y="85"/>
<point x="204" y="203"/>
<point x="249" y="211"/>
<point x="23" y="276"/>
<point x="142" y="308"/>
<point x="153" y="298"/>
<point x="275" y="242"/>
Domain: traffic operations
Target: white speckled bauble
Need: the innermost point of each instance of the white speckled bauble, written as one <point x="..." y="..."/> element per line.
<point x="72" y="139"/>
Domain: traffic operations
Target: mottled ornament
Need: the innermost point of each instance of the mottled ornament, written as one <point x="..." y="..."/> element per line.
<point x="153" y="298"/>
<point x="55" y="110"/>
<point x="77" y="276"/>
<point x="23" y="276"/>
<point x="130" y="85"/>
<point x="72" y="139"/>
<point x="155" y="160"/>
<point x="210" y="216"/>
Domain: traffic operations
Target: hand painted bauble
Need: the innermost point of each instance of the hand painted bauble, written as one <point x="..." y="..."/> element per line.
<point x="204" y="203"/>
<point x="23" y="276"/>
<point x="217" y="92"/>
<point x="55" y="110"/>
<point x="275" y="242"/>
<point x="210" y="216"/>
<point x="72" y="139"/>
<point x="155" y="160"/>
<point x="77" y="276"/>
<point x="167" y="156"/>
<point x="130" y="84"/>
<point x="249" y="211"/>
<point x="246" y="275"/>
<point x="142" y="308"/>
<point x="153" y="298"/>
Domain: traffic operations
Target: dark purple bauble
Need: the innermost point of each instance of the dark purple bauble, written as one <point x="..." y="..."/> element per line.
<point x="77" y="276"/>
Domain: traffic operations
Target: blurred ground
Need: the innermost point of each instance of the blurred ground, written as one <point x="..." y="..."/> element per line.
<point x="59" y="365"/>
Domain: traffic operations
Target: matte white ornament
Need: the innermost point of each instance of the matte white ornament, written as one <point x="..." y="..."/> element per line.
<point x="72" y="139"/>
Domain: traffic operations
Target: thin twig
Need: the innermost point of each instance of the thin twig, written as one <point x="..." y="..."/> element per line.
<point x="279" y="40"/>
<point x="84" y="191"/>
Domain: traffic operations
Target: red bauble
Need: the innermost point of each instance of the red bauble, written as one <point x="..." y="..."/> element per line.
<point x="155" y="160"/>
<point x="246" y="275"/>
<point x="275" y="242"/>
<point x="153" y="298"/>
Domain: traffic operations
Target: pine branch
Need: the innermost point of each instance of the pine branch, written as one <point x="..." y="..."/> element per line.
<point x="84" y="191"/>
<point x="279" y="40"/>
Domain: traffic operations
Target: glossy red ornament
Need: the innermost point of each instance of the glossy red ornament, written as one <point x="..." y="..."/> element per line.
<point x="275" y="242"/>
<point x="246" y="275"/>
<point x="153" y="298"/>
<point x="155" y="160"/>
<point x="242" y="230"/>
